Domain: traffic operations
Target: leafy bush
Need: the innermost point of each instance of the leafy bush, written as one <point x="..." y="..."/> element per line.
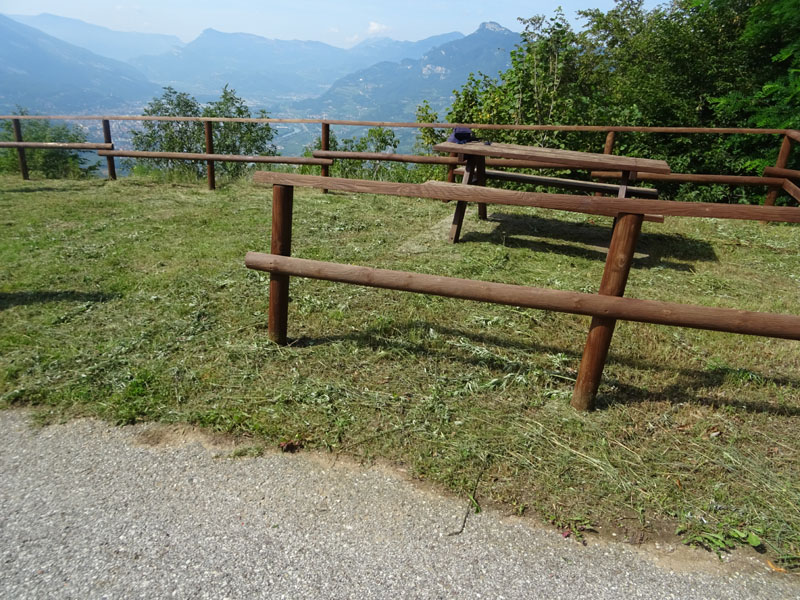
<point x="51" y="164"/>
<point x="249" y="139"/>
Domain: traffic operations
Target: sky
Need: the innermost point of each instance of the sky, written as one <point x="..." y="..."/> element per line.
<point x="342" y="23"/>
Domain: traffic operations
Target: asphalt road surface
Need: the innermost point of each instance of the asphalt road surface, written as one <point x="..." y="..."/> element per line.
<point x="89" y="510"/>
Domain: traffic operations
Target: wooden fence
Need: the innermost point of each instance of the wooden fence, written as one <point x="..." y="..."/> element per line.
<point x="777" y="179"/>
<point x="605" y="307"/>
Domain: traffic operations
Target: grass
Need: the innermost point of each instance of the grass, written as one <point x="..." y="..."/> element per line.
<point x="129" y="301"/>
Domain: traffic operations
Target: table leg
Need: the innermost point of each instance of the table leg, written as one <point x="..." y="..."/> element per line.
<point x="470" y="174"/>
<point x="615" y="277"/>
<point x="480" y="179"/>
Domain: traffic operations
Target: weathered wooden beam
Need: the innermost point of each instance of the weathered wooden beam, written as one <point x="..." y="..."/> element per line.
<point x="58" y="145"/>
<point x="405" y="158"/>
<point x="780" y="163"/>
<point x="628" y="309"/>
<point x="575" y="184"/>
<point x="556" y="156"/>
<point x="324" y="140"/>
<point x="425" y="159"/>
<point x="416" y="125"/>
<point x="694" y="178"/>
<point x="791" y="189"/>
<point x="280" y="244"/>
<point x="112" y="168"/>
<point x="289" y="160"/>
<point x="780" y="172"/>
<point x="439" y="190"/>
<point x="615" y="277"/>
<point x="23" y="162"/>
<point x="208" y="128"/>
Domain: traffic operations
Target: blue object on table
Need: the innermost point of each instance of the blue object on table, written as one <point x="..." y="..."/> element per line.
<point x="461" y="135"/>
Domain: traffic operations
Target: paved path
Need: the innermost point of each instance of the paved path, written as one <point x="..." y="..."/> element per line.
<point x="93" y="511"/>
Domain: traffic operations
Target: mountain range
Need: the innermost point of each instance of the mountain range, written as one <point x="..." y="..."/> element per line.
<point x="57" y="65"/>
<point x="42" y="73"/>
<point x="119" y="45"/>
<point x="267" y="70"/>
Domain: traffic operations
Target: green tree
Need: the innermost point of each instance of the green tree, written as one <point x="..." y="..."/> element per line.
<point x="377" y="139"/>
<point x="51" y="164"/>
<point x="249" y="139"/>
<point x="771" y="42"/>
<point x="690" y="63"/>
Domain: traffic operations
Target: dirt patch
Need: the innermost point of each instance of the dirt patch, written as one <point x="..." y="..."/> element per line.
<point x="421" y="242"/>
<point x="154" y="435"/>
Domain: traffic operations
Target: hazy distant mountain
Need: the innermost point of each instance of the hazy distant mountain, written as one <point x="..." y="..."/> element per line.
<point x="42" y="73"/>
<point x="256" y="67"/>
<point x="375" y="50"/>
<point x="120" y="45"/>
<point x="392" y="90"/>
<point x="380" y="78"/>
<point x="268" y="70"/>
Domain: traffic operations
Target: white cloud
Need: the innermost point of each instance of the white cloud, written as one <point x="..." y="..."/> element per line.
<point x="376" y="28"/>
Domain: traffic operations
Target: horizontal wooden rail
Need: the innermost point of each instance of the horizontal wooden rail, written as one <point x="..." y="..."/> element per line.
<point x="778" y="172"/>
<point x="406" y="158"/>
<point x="437" y="190"/>
<point x="575" y="184"/>
<point x="596" y="305"/>
<point x="694" y="178"/>
<point x="291" y="160"/>
<point x="435" y="160"/>
<point x="58" y="145"/>
<point x="586" y="128"/>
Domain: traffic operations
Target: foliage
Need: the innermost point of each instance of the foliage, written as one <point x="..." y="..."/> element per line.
<point x="376" y="140"/>
<point x="50" y="164"/>
<point x="691" y="63"/>
<point x="249" y="139"/>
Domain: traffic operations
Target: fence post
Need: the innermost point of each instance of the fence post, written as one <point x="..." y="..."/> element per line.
<point x="209" y="127"/>
<point x="615" y="277"/>
<point x="112" y="169"/>
<point x="325" y="145"/>
<point x="280" y="243"/>
<point x="783" y="159"/>
<point x="23" y="163"/>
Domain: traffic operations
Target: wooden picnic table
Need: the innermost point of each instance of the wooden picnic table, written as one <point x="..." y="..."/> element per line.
<point x="627" y="226"/>
<point x="474" y="155"/>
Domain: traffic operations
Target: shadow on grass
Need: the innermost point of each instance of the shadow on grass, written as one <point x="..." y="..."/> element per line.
<point x="593" y="240"/>
<point x="44" y="187"/>
<point x="686" y="391"/>
<point x="683" y="391"/>
<point x="376" y="337"/>
<point x="9" y="299"/>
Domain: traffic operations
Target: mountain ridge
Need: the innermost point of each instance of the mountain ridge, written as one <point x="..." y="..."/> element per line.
<point x="43" y="73"/>
<point x="119" y="45"/>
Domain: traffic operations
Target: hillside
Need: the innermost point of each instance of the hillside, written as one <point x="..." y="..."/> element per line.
<point x="392" y="90"/>
<point x="45" y="74"/>
<point x="270" y="71"/>
<point x="119" y="45"/>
